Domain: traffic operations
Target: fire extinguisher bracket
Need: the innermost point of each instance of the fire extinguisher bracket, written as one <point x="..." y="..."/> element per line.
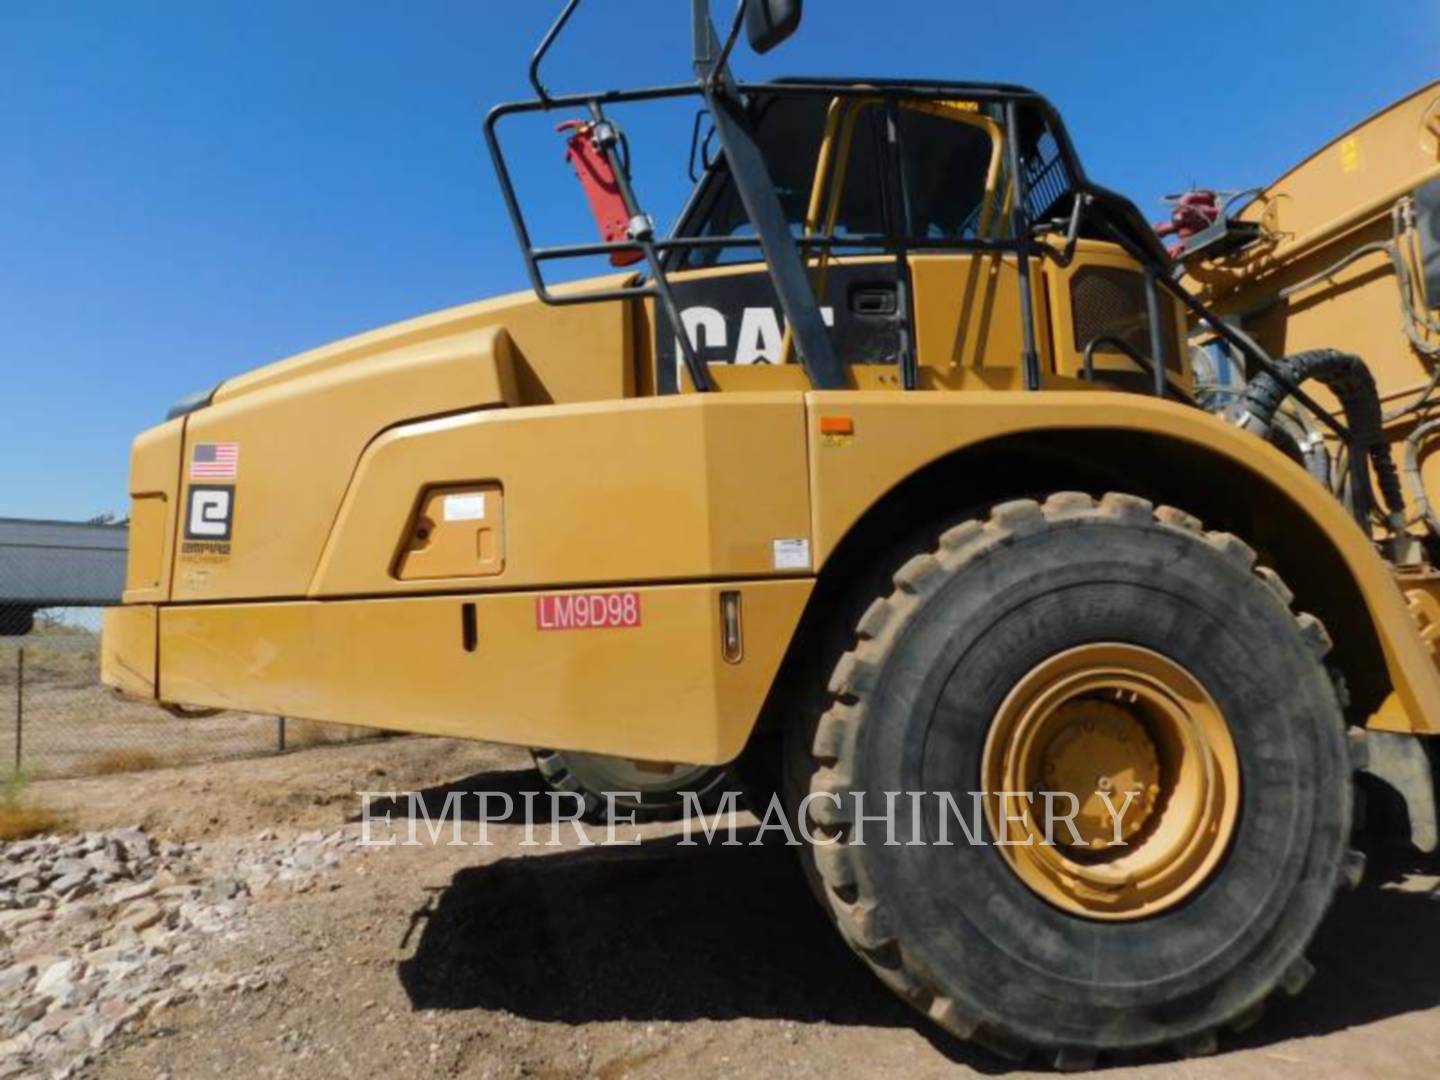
<point x="589" y="148"/>
<point x="641" y="227"/>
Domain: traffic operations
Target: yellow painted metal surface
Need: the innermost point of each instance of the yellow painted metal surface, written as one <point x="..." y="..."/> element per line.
<point x="1393" y="716"/>
<point x="659" y="690"/>
<point x="1067" y="350"/>
<point x="1326" y="223"/>
<point x="154" y="478"/>
<point x="681" y="487"/>
<point x="967" y="313"/>
<point x="457" y="531"/>
<point x="297" y="442"/>
<point x="339" y="593"/>
<point x="1329" y="207"/>
<point x="967" y="329"/>
<point x="1094" y="722"/>
<point x="574" y="353"/>
<point x="128" y="658"/>
<point x="1354" y="177"/>
<point x="896" y="435"/>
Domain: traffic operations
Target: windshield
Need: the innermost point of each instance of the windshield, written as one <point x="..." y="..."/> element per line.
<point x="949" y="161"/>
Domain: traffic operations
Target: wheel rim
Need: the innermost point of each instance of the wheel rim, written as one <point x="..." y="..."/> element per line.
<point x="604" y="773"/>
<point x="1113" y="720"/>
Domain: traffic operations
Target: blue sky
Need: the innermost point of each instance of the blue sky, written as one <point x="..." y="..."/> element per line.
<point x="188" y="190"/>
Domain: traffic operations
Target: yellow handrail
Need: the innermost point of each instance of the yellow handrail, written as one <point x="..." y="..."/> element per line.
<point x="840" y="119"/>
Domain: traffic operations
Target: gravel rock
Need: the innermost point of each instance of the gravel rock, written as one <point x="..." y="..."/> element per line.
<point x="73" y="885"/>
<point x="139" y="891"/>
<point x="58" y="977"/>
<point x="14" y="979"/>
<point x="100" y="930"/>
<point x="141" y="915"/>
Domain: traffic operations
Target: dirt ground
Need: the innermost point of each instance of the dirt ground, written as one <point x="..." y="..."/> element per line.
<point x="71" y="725"/>
<point x="647" y="961"/>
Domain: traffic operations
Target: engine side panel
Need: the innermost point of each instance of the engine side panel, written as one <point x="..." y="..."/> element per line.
<point x="660" y="489"/>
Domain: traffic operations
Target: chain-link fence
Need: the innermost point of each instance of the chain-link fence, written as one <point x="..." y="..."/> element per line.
<point x="58" y="719"/>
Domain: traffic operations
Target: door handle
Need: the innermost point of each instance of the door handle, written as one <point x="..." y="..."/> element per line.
<point x="874" y="300"/>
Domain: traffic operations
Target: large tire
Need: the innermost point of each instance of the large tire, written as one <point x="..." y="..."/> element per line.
<point x="658" y="792"/>
<point x="955" y="930"/>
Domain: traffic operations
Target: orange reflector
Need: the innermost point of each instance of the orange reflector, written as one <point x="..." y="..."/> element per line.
<point x="837" y="425"/>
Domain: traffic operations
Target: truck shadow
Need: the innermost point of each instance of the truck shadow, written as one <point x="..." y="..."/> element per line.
<point x="1376" y="956"/>
<point x="668" y="932"/>
<point x="655" y="932"/>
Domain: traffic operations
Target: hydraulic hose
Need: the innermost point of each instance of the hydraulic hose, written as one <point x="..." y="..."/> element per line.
<point x="1349" y="380"/>
<point x="1309" y="445"/>
<point x="1418" y="498"/>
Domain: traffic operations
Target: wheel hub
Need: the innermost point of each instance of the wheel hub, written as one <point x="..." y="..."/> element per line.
<point x="1104" y="760"/>
<point x="1113" y="780"/>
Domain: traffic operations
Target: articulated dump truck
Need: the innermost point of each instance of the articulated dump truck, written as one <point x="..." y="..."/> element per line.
<point x="909" y="470"/>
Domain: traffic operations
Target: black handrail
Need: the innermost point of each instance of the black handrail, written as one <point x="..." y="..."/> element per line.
<point x="544" y="47"/>
<point x="533" y="256"/>
<point x="1160" y="378"/>
<point x="1020" y="233"/>
<point x="1021" y="244"/>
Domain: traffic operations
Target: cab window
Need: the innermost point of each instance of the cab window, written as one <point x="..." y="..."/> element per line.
<point x="945" y="164"/>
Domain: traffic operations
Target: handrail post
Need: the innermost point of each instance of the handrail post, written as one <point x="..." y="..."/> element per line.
<point x="898" y="204"/>
<point x="1157" y="342"/>
<point x="642" y="232"/>
<point x="1020" y="233"/>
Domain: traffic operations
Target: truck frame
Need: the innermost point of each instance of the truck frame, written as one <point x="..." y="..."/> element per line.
<point x="883" y="472"/>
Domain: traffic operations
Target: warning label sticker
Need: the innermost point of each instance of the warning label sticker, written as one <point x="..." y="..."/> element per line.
<point x="469" y="507"/>
<point x="791" y="554"/>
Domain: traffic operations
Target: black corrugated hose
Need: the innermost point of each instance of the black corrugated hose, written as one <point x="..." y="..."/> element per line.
<point x="1351" y="381"/>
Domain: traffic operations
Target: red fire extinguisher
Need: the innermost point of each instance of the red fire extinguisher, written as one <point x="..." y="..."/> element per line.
<point x="586" y="155"/>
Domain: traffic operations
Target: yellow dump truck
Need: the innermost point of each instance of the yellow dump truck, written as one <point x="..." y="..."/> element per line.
<point x="885" y="475"/>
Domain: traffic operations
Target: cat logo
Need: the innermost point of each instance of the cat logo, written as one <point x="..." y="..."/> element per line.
<point x="758" y="337"/>
<point x="736" y="319"/>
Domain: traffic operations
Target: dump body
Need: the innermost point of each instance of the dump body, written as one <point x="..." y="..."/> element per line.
<point x="1347" y="260"/>
<point x="1336" y="205"/>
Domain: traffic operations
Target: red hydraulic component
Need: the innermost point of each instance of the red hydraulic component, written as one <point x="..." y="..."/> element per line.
<point x="1190" y="213"/>
<point x="602" y="190"/>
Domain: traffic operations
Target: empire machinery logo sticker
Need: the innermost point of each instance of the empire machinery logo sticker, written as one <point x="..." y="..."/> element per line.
<point x="210" y="506"/>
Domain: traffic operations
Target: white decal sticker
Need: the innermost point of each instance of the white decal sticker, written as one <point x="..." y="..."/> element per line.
<point x="760" y="337"/>
<point x="792" y="554"/>
<point x="465" y="507"/>
<point x="211" y="512"/>
<point x="758" y="340"/>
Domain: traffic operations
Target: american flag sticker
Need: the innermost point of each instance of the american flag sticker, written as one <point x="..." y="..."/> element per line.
<point x="215" y="461"/>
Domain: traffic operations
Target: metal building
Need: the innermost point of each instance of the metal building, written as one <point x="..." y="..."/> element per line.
<point x="57" y="564"/>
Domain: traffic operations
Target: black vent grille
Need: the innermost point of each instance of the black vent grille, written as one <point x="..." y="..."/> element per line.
<point x="1107" y="301"/>
<point x="1047" y="180"/>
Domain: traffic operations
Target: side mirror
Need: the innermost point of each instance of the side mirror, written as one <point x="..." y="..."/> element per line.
<point x="769" y="22"/>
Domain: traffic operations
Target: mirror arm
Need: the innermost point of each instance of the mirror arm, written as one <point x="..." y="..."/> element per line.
<point x="545" y="43"/>
<point x="718" y="68"/>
